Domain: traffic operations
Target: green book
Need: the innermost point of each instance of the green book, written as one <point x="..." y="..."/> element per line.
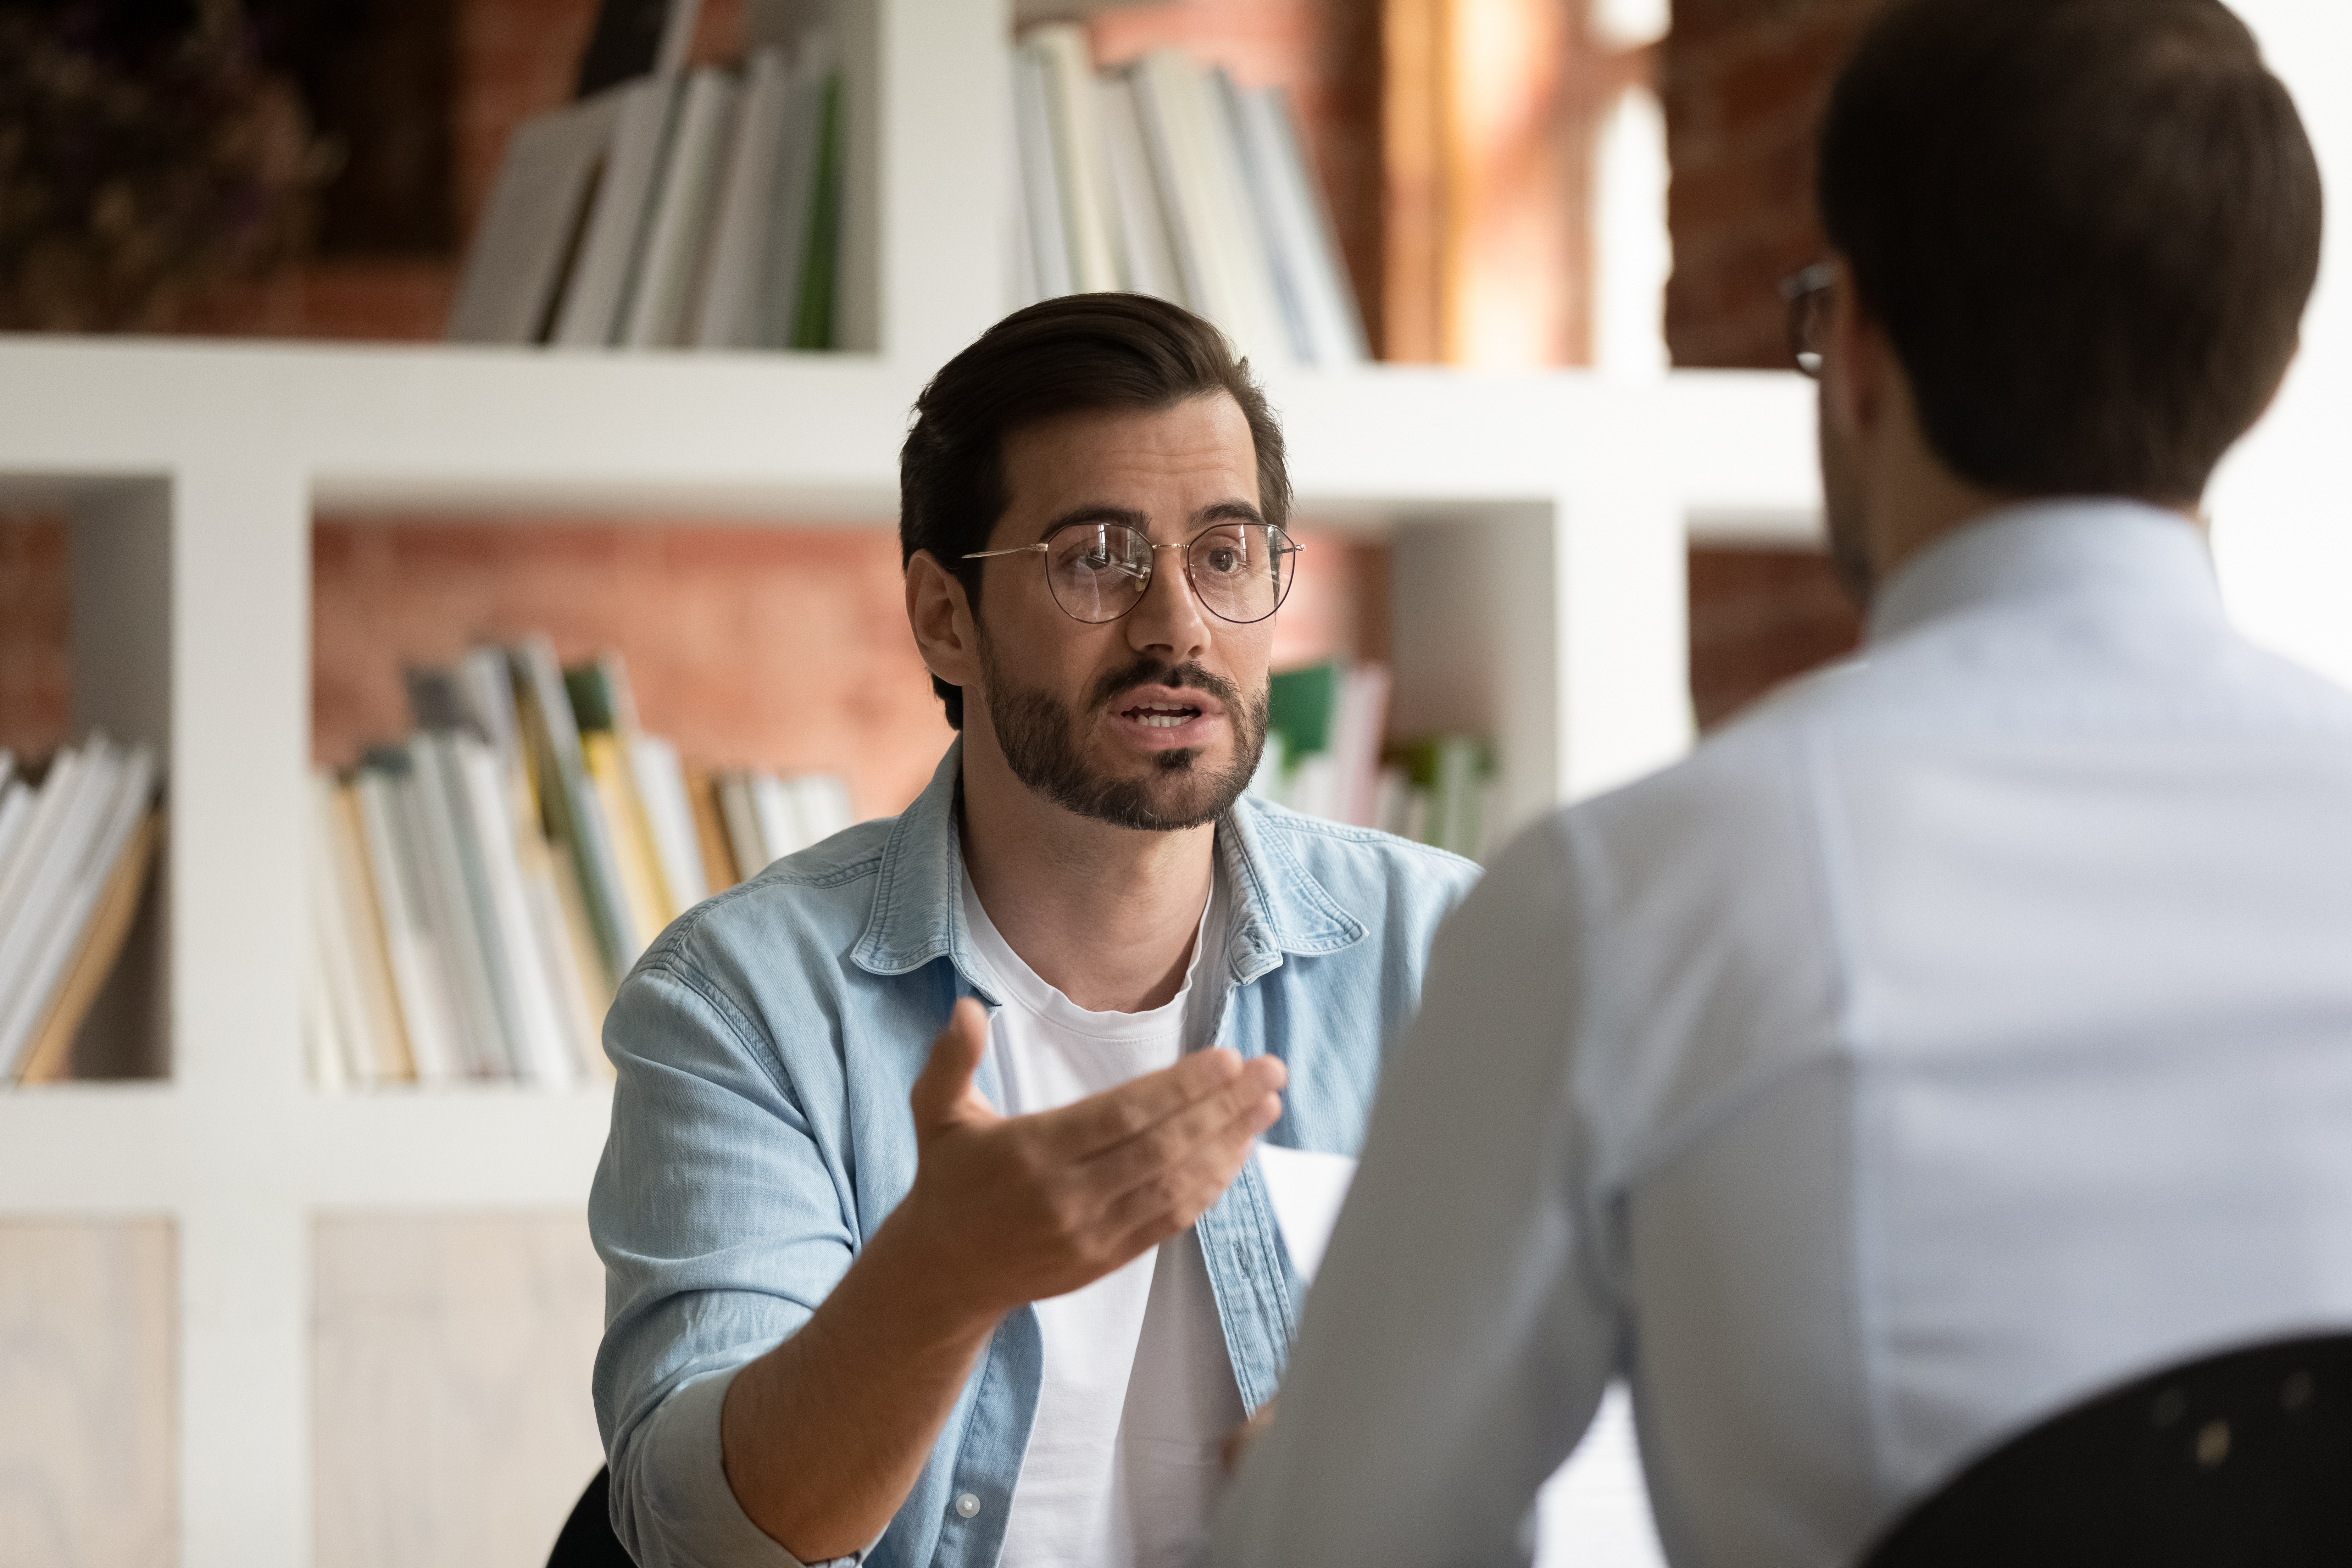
<point x="1306" y="710"/>
<point x="813" y="314"/>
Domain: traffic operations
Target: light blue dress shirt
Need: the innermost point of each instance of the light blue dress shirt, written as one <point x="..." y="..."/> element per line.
<point x="765" y="1047"/>
<point x="1962" y="1032"/>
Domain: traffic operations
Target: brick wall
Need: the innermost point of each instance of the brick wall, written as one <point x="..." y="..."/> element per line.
<point x="1743" y="83"/>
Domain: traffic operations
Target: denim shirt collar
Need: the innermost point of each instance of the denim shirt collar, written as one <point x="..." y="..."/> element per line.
<point x="1278" y="906"/>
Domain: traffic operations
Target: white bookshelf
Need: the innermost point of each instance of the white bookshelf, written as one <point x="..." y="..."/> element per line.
<point x="1538" y="524"/>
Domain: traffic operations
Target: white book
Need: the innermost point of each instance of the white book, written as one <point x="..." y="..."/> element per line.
<point x="322" y="1042"/>
<point x="532" y="223"/>
<point x="1148" y="266"/>
<point x="432" y="794"/>
<point x="792" y="209"/>
<point x="660" y="779"/>
<point x="334" y="946"/>
<point x="534" y="1013"/>
<point x="1214" y="233"/>
<point x="25" y="1002"/>
<point x="410" y="944"/>
<point x="596" y="298"/>
<point x="59" y="838"/>
<point x="37" y="833"/>
<point x="1042" y="201"/>
<point x="744" y="839"/>
<point x="823" y="807"/>
<point x="776" y="807"/>
<point x="727" y="314"/>
<point x="1073" y="117"/>
<point x="1255" y="186"/>
<point x="1356" y="735"/>
<point x="16" y="815"/>
<point x="678" y="227"/>
<point x="1298" y="224"/>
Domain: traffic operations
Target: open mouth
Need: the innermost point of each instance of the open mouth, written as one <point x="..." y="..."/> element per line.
<point x="1161" y="715"/>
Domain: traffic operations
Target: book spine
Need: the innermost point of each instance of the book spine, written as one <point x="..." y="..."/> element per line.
<point x="418" y="979"/>
<point x="519" y="968"/>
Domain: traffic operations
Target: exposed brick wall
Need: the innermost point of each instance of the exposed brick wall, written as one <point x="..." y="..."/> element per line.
<point x="36" y="659"/>
<point x="1743" y="83"/>
<point x="1759" y="619"/>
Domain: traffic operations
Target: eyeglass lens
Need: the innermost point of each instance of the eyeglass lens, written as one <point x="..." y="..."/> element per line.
<point x="1098" y="571"/>
<point x="1809" y="319"/>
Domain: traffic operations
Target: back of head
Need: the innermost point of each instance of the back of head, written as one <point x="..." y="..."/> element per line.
<point x="2088" y="227"/>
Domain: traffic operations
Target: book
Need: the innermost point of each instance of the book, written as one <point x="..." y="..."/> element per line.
<point x="1045" y="226"/>
<point x="678" y="221"/>
<point x="661" y="786"/>
<point x="118" y="791"/>
<point x="814" y="300"/>
<point x="1255" y="188"/>
<point x="1324" y="740"/>
<point x="1074" y="135"/>
<point x="743" y="836"/>
<point x="411" y="948"/>
<point x="50" y="1058"/>
<point x="531" y="226"/>
<point x="335" y="949"/>
<point x="1148" y="263"/>
<point x="719" y="867"/>
<point x="792" y="209"/>
<point x="1302" y="231"/>
<point x="574" y="818"/>
<point x="597" y="297"/>
<point x="457" y="906"/>
<point x="727" y="309"/>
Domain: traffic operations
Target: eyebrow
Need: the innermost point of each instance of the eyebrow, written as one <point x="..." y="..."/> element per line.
<point x="1229" y="511"/>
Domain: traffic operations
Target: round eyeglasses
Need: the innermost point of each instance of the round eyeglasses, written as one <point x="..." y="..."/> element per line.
<point x="1096" y="572"/>
<point x="1807" y="294"/>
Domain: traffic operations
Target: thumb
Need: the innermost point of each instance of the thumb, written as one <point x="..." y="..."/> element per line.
<point x="943" y="1094"/>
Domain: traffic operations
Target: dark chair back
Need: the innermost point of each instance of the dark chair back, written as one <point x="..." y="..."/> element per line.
<point x="587" y="1540"/>
<point x="2241" y="1460"/>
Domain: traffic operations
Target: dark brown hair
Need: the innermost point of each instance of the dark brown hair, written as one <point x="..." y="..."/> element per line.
<point x="2088" y="226"/>
<point x="1078" y="353"/>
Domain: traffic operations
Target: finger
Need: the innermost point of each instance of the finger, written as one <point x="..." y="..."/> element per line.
<point x="1103" y="1120"/>
<point x="1181" y="1166"/>
<point x="943" y="1093"/>
<point x="1229" y="1111"/>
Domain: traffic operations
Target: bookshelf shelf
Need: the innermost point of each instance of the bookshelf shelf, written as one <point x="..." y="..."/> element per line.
<point x="1538" y="526"/>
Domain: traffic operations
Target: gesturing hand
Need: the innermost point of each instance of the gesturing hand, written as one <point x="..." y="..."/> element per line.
<point x="1016" y="1209"/>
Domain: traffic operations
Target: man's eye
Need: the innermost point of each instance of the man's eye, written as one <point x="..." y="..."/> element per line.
<point x="1225" y="563"/>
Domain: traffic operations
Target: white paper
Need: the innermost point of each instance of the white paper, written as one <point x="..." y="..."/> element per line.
<point x="1594" y="1512"/>
<point x="1307" y="1190"/>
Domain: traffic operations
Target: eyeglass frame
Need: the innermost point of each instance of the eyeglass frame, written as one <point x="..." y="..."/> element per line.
<point x="1803" y="290"/>
<point x="1287" y="547"/>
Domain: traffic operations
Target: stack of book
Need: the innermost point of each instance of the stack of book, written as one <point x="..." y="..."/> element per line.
<point x="478" y="890"/>
<point x="75" y="854"/>
<point x="1167" y="179"/>
<point x="1325" y="756"/>
<point x="679" y="209"/>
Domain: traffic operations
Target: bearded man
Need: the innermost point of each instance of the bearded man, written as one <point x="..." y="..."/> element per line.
<point x="1000" y="1300"/>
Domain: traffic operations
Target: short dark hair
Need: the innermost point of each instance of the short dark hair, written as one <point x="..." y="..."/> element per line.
<point x="1078" y="353"/>
<point x="2088" y="226"/>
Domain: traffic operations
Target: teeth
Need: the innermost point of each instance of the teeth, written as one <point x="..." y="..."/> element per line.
<point x="1156" y="720"/>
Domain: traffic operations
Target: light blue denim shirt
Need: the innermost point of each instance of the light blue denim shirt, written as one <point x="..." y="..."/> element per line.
<point x="766" y="1045"/>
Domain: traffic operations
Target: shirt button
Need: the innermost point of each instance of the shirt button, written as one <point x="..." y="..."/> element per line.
<point x="967" y="1505"/>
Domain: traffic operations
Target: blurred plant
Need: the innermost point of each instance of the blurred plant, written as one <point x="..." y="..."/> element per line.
<point x="147" y="156"/>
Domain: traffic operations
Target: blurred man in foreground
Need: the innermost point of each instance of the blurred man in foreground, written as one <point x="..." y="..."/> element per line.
<point x="1966" y="1030"/>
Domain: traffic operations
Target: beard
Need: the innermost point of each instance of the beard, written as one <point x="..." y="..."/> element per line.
<point x="1844" y="512"/>
<point x="1040" y="739"/>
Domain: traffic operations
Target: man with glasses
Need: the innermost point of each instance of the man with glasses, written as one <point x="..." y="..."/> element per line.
<point x="933" y="1225"/>
<point x="1966" y="1030"/>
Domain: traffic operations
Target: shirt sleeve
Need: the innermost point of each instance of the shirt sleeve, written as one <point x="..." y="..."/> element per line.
<point x="722" y="1227"/>
<point x="1461" y="1332"/>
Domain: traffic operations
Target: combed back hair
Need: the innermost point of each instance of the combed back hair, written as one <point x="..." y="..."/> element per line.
<point x="2087" y="226"/>
<point x="1079" y="354"/>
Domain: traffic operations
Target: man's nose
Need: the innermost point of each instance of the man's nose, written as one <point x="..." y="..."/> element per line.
<point x="1172" y="617"/>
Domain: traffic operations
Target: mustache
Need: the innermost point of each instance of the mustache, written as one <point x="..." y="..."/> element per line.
<point x="1160" y="672"/>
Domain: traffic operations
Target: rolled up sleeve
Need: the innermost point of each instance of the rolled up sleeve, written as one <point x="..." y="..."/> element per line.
<point x="722" y="1222"/>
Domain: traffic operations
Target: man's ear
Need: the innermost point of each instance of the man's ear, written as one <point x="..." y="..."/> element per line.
<point x="1853" y="361"/>
<point x="939" y="614"/>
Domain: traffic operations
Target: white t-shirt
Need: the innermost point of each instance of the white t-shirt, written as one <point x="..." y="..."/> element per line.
<point x="1139" y="1387"/>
